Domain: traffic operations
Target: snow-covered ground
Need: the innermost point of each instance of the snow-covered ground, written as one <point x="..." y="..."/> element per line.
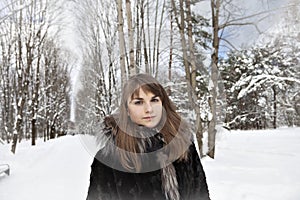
<point x="256" y="165"/>
<point x="249" y="165"/>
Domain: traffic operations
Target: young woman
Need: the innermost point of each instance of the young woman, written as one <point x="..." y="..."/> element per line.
<point x="148" y="150"/>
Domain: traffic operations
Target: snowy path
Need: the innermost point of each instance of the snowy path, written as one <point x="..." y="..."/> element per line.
<point x="55" y="170"/>
<point x="249" y="165"/>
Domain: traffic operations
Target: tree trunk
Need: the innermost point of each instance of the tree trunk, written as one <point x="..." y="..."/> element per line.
<point x="169" y="91"/>
<point x="189" y="79"/>
<point x="191" y="44"/>
<point x="171" y="47"/>
<point x="274" y="107"/>
<point x="199" y="133"/>
<point x="121" y="42"/>
<point x="184" y="45"/>
<point x="132" y="67"/>
<point x="181" y="26"/>
<point x="159" y="37"/>
<point x="139" y="37"/>
<point x="33" y="132"/>
<point x="36" y="95"/>
<point x="155" y="35"/>
<point x="212" y="123"/>
<point x="20" y="97"/>
<point x="149" y="38"/>
<point x="215" y="6"/>
<point x="146" y="59"/>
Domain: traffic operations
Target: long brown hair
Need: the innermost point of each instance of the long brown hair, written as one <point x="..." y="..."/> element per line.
<point x="172" y="124"/>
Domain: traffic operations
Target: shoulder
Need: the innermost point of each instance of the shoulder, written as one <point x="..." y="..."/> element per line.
<point x="186" y="130"/>
<point x="193" y="151"/>
<point x="191" y="155"/>
<point x="106" y="127"/>
<point x="104" y="134"/>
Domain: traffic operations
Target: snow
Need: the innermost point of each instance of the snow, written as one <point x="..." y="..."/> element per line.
<point x="57" y="169"/>
<point x="249" y="165"/>
<point x="256" y="165"/>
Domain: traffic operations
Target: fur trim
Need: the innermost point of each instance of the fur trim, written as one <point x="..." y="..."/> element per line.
<point x="146" y="145"/>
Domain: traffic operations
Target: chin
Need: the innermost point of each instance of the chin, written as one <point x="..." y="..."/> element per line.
<point x="151" y="125"/>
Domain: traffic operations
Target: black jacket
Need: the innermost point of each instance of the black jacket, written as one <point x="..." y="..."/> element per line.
<point x="109" y="182"/>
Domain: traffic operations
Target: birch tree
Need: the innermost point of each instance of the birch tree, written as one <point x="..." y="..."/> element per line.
<point x="185" y="21"/>
<point x="8" y="81"/>
<point x="132" y="67"/>
<point x="224" y="17"/>
<point x="98" y="93"/>
<point x="27" y="24"/>
<point x="121" y="41"/>
<point x="215" y="11"/>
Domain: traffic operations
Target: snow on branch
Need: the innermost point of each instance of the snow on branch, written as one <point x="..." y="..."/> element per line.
<point x="260" y="79"/>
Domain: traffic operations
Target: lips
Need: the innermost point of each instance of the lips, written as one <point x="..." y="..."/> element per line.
<point x="148" y="117"/>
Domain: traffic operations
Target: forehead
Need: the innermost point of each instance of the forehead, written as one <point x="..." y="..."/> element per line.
<point x="140" y="92"/>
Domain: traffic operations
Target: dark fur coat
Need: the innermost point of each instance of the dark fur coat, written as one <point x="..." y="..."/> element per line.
<point x="180" y="180"/>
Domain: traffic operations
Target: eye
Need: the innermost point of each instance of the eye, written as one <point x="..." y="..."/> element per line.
<point x="155" y="100"/>
<point x="138" y="102"/>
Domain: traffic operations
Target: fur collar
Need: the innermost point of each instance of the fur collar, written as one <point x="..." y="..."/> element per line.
<point x="153" y="157"/>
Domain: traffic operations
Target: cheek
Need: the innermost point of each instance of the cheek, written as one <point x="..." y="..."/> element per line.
<point x="133" y="112"/>
<point x="158" y="109"/>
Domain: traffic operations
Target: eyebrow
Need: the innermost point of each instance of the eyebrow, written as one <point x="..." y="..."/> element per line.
<point x="137" y="98"/>
<point x="140" y="99"/>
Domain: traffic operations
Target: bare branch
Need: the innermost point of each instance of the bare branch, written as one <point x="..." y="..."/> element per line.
<point x="14" y="11"/>
<point x="236" y="21"/>
<point x="229" y="43"/>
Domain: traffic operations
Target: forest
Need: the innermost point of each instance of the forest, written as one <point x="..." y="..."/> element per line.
<point x="63" y="63"/>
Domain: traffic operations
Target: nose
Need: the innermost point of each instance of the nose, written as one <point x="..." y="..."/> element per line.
<point x="148" y="107"/>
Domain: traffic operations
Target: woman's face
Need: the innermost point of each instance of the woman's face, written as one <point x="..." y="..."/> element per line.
<point x="145" y="109"/>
